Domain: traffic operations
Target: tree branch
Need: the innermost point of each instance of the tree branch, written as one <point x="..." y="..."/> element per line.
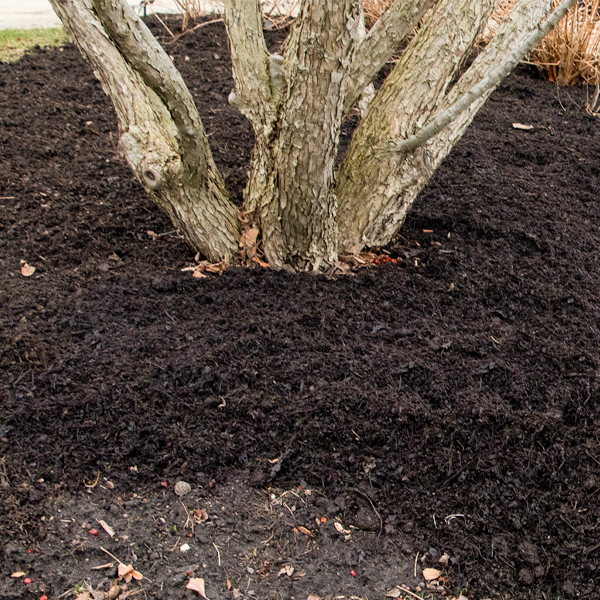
<point x="502" y="43"/>
<point x="257" y="75"/>
<point x="146" y="56"/>
<point x="161" y="135"/>
<point x="380" y="43"/>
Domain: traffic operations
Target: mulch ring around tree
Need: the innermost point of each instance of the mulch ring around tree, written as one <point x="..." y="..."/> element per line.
<point x="339" y="435"/>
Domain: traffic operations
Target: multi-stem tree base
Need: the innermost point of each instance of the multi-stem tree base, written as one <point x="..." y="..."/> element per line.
<point x="301" y="211"/>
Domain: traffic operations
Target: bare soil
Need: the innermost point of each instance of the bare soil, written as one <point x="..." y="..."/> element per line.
<point x="445" y="404"/>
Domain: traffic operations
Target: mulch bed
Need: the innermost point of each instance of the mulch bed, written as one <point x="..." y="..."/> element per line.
<point x="447" y="403"/>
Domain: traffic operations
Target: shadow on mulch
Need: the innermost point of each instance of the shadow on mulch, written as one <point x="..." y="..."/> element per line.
<point x="447" y="404"/>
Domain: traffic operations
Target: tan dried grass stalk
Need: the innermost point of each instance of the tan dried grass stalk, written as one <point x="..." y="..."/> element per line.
<point x="280" y="12"/>
<point x="570" y="54"/>
<point x="192" y="9"/>
<point x="373" y="10"/>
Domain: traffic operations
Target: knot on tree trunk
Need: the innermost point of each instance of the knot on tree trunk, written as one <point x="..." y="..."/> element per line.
<point x="152" y="178"/>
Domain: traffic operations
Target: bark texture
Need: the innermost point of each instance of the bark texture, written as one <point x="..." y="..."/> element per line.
<point x="303" y="212"/>
<point x="381" y="175"/>
<point x="375" y="186"/>
<point x="290" y="195"/>
<point x="161" y="135"/>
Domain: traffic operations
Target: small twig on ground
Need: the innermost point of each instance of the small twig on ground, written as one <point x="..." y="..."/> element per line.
<point x="93" y="485"/>
<point x="596" y="461"/>
<point x="567" y="523"/>
<point x="415" y="569"/>
<point x="218" y="553"/>
<point x="188" y="516"/>
<point x="112" y="555"/>
<point x="409" y="592"/>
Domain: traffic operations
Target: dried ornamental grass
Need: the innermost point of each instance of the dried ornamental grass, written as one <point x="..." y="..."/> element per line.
<point x="373" y="10"/>
<point x="570" y="54"/>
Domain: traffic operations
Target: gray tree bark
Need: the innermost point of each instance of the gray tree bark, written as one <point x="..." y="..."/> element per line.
<point x="161" y="135"/>
<point x="393" y="153"/>
<point x="296" y="207"/>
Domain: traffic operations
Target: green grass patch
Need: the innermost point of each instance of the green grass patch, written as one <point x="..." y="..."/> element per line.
<point x="15" y="42"/>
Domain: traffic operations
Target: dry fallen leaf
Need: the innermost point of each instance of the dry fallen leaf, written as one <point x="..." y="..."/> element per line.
<point x="200" y="515"/>
<point x="395" y="593"/>
<point x="114" y="591"/>
<point x="27" y="270"/>
<point x="522" y="127"/>
<point x="18" y="574"/>
<point x="430" y="574"/>
<point x="305" y="531"/>
<point x="127" y="572"/>
<point x="313" y="597"/>
<point x="228" y="584"/>
<point x="198" y="274"/>
<point x="216" y="267"/>
<point x="287" y="570"/>
<point x="444" y="558"/>
<point x="94" y="594"/>
<point x="237" y="594"/>
<point x="197" y="584"/>
<point x="106" y="527"/>
<point x="84" y="596"/>
<point x="259" y="262"/>
<point x="248" y="238"/>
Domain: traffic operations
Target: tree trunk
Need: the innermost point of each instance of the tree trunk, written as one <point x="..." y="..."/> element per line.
<point x="298" y="208"/>
<point x="161" y="135"/>
<point x="290" y="195"/>
<point x="383" y="171"/>
<point x="296" y="104"/>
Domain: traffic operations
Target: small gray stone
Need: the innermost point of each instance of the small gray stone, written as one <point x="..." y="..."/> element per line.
<point x="182" y="488"/>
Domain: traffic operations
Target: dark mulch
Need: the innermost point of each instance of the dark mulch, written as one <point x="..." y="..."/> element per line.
<point x="457" y="391"/>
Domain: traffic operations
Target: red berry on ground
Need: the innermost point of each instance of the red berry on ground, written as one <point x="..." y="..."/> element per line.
<point x="27" y="581"/>
<point x="44" y="597"/>
<point x="353" y="573"/>
<point x="94" y="532"/>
